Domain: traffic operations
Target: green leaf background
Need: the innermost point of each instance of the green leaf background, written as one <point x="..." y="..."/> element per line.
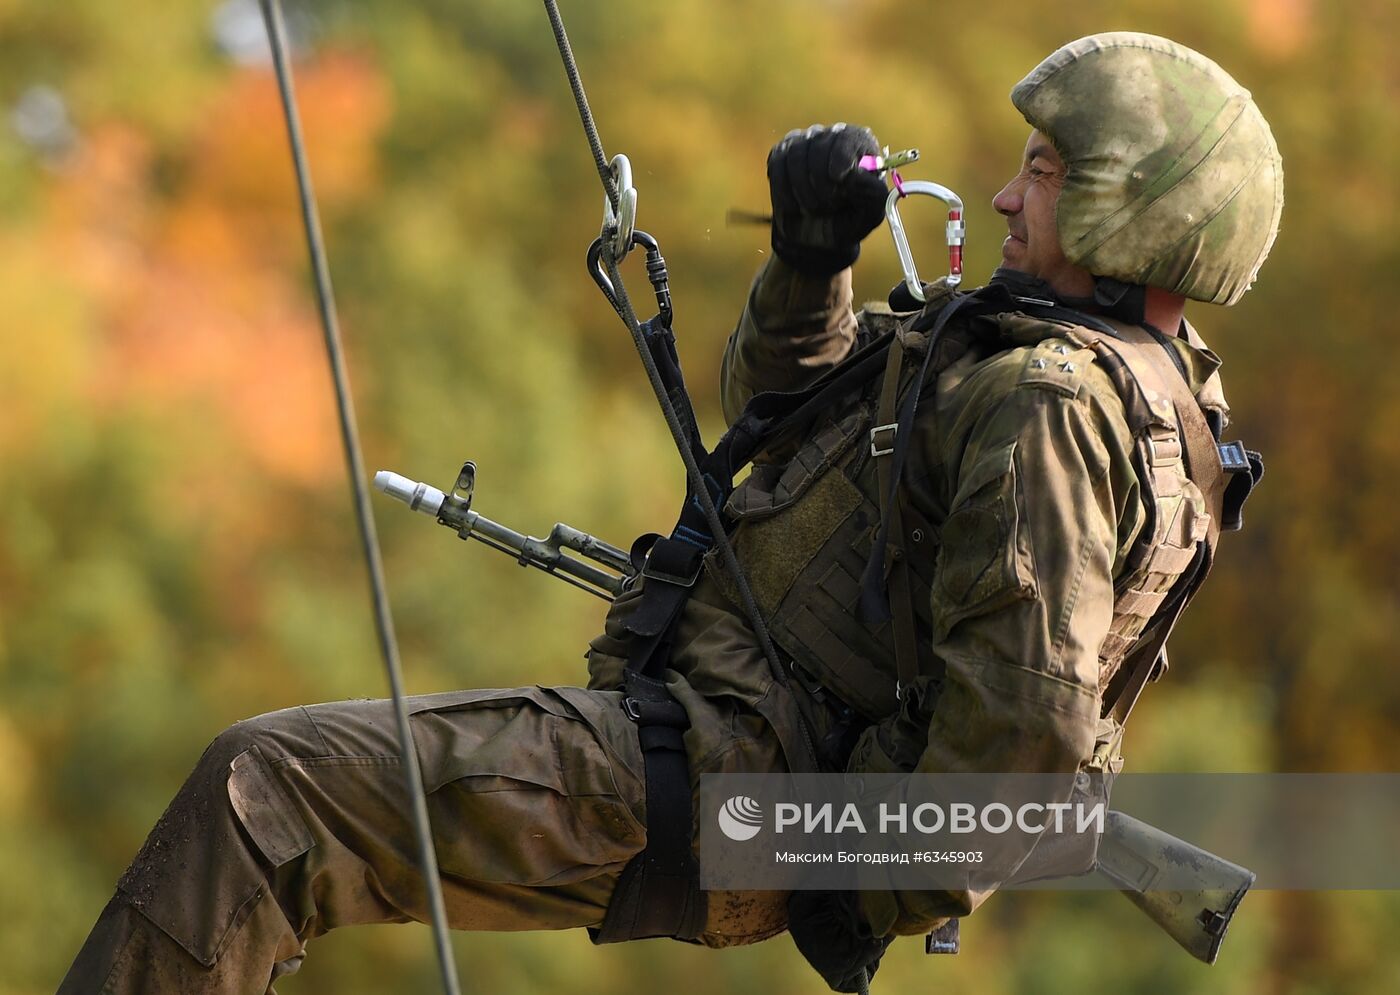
<point x="176" y="546"/>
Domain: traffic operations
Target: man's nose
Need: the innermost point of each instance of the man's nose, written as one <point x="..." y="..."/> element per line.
<point x="1009" y="200"/>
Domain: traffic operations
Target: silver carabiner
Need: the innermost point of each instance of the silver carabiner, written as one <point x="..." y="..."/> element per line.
<point x="956" y="232"/>
<point x="622" y="222"/>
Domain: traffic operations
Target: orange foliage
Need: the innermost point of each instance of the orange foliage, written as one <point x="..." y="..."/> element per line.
<point x="240" y="160"/>
<point x="194" y="309"/>
<point x="1280" y="28"/>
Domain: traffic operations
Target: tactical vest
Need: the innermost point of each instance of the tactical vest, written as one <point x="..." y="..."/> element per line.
<point x="805" y="523"/>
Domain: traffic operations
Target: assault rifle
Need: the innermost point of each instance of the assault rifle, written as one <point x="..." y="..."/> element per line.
<point x="1189" y="892"/>
<point x="613" y="574"/>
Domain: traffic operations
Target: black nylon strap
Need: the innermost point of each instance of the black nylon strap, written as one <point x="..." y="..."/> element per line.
<point x="658" y="892"/>
<point x="673" y="563"/>
<point x="906" y="647"/>
<point x="874" y="604"/>
<point x="1245" y="467"/>
<point x="661" y="343"/>
<point x="771" y="414"/>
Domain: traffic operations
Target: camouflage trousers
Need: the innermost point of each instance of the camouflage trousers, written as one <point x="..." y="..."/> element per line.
<point x="296" y="822"/>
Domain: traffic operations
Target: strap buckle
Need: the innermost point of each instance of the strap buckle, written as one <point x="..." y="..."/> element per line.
<point x="670" y="713"/>
<point x="1163" y="446"/>
<point x="674" y="561"/>
<point x="1233" y="457"/>
<point x="875" y="449"/>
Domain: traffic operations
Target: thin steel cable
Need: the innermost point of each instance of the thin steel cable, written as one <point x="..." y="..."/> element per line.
<point x="623" y="306"/>
<point x="384" y="623"/>
<point x="595" y="144"/>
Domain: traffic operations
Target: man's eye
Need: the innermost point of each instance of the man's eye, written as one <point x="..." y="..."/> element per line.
<point x="1033" y="171"/>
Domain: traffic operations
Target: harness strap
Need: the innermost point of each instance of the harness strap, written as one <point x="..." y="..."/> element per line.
<point x="658" y="893"/>
<point x="874" y="602"/>
<point x="906" y="647"/>
<point x="661" y="341"/>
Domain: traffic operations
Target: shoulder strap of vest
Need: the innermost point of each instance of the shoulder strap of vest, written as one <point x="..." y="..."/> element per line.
<point x="1168" y="422"/>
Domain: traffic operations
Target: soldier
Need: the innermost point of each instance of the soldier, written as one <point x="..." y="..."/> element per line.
<point x="1046" y="531"/>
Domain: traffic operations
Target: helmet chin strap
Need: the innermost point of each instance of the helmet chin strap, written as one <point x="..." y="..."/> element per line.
<point x="1124" y="301"/>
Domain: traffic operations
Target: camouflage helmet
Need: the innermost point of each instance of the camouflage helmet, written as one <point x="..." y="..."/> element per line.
<point x="1173" y="181"/>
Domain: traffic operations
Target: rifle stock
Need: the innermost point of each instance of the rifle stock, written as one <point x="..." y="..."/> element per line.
<point x="1156" y="871"/>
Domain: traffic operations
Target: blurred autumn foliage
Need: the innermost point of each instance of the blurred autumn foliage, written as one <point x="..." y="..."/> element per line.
<point x="176" y="549"/>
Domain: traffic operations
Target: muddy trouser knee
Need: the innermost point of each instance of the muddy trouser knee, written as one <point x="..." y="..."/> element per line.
<point x="298" y="821"/>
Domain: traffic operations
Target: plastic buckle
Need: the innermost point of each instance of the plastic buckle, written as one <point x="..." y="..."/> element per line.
<point x="1233" y="458"/>
<point x="1164" y="449"/>
<point x="944" y="939"/>
<point x="629" y="708"/>
<point x="875" y="449"/>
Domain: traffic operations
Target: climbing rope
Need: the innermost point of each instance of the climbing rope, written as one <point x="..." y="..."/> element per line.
<point x="369" y="541"/>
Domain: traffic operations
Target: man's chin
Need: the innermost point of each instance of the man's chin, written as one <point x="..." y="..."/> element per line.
<point x="1013" y="254"/>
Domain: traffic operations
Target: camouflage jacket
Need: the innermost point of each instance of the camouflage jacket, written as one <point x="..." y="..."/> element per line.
<point x="1021" y="467"/>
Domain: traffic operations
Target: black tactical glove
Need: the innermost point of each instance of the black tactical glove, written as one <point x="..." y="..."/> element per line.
<point x="831" y="933"/>
<point x="823" y="202"/>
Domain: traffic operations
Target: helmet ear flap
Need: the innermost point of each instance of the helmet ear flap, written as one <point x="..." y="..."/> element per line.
<point x="1173" y="177"/>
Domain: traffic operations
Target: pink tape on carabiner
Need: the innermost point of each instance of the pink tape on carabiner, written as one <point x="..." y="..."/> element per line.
<point x="871" y="163"/>
<point x="898" y="181"/>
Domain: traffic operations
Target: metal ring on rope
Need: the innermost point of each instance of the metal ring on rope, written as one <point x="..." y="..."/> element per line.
<point x="621" y="222"/>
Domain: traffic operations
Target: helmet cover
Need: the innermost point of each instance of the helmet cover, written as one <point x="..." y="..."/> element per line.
<point x="1173" y="178"/>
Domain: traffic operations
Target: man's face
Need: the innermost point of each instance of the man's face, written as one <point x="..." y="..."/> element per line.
<point x="1028" y="203"/>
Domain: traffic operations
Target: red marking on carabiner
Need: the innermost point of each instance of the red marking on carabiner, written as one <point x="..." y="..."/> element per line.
<point x="955" y="252"/>
<point x="898" y="181"/>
